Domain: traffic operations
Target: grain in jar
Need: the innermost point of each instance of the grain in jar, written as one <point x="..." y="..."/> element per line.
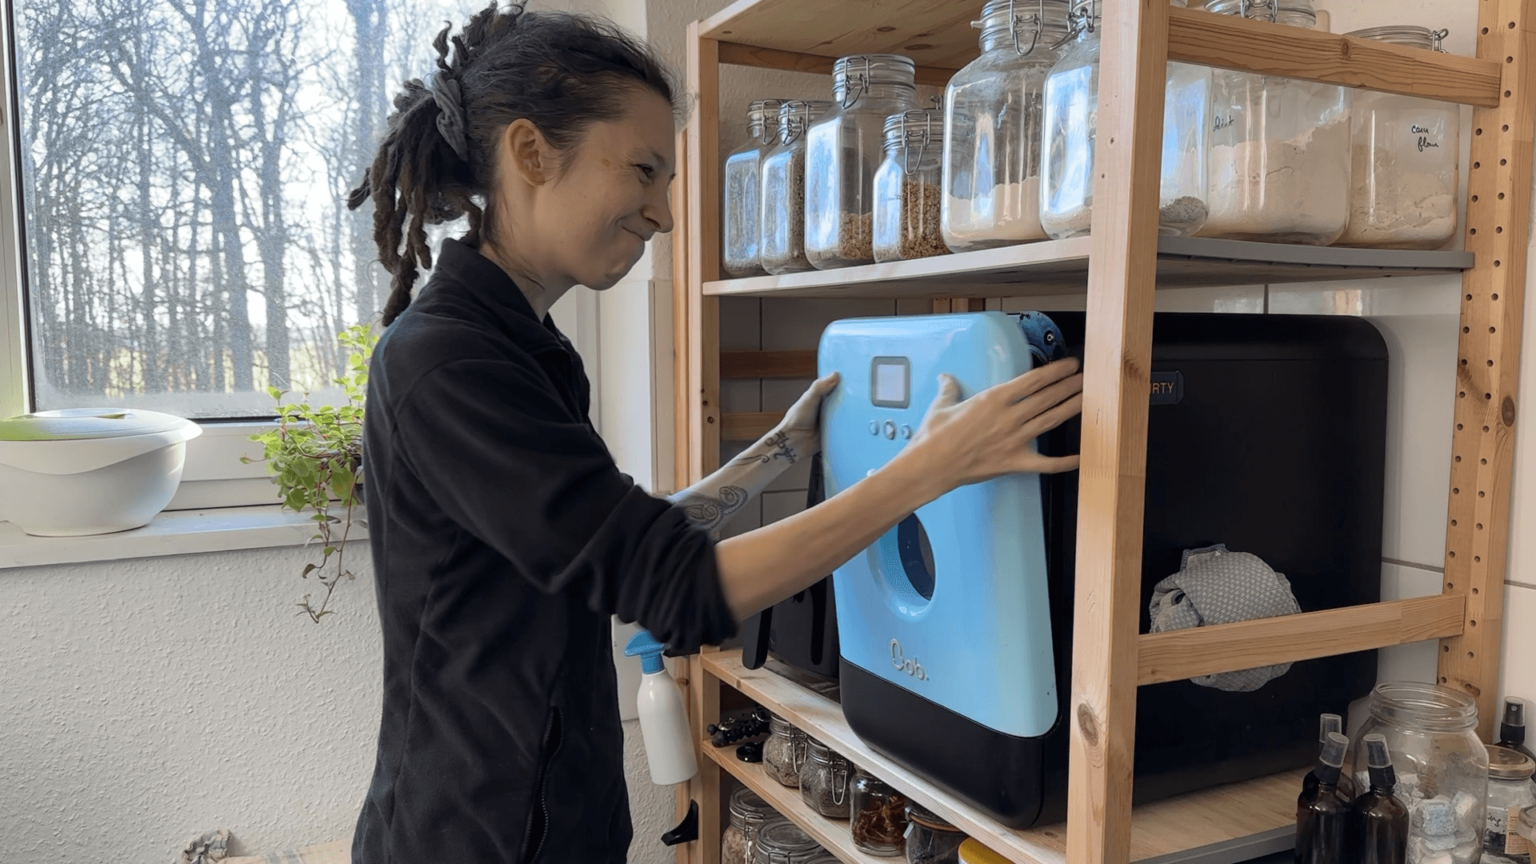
<point x="843" y="152"/>
<point x="748" y="813"/>
<point x="784" y="751"/>
<point x="743" y="185"/>
<point x="908" y="187"/>
<point x="824" y="780"/>
<point x="781" y="224"/>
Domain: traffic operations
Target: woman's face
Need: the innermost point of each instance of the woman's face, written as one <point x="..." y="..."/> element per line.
<point x="589" y="220"/>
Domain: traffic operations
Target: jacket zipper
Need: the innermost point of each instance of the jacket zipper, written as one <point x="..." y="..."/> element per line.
<point x="540" y="810"/>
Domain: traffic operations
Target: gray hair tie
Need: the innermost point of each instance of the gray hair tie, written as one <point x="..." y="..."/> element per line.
<point x="450" y="116"/>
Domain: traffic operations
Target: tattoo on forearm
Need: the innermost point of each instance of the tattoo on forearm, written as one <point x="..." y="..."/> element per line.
<point x="711" y="512"/>
<point x="778" y="448"/>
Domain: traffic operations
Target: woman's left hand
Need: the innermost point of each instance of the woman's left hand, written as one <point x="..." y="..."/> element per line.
<point x="802" y="422"/>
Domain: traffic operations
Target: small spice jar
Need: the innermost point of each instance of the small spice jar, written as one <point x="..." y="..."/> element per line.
<point x="824" y="780"/>
<point x="879" y="816"/>
<point x="931" y="840"/>
<point x="749" y="812"/>
<point x="784" y="751"/>
<point x="781" y="221"/>
<point x="908" y="188"/>
<point x="781" y="841"/>
<point x="743" y="183"/>
<point x="1509" y="795"/>
<point x="1441" y="765"/>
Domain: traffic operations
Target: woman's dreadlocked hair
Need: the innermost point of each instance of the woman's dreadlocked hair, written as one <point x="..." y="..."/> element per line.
<point x="561" y="71"/>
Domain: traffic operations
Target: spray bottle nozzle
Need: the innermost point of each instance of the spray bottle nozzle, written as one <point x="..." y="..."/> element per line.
<point x="649" y="651"/>
<point x="1333" y="750"/>
<point x="1379" y="761"/>
<point x="1514" y="712"/>
<point x="1328" y="723"/>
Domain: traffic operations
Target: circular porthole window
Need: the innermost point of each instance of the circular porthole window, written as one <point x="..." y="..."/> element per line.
<point x="905" y="559"/>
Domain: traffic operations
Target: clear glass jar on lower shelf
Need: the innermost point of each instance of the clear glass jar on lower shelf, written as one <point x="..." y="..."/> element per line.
<point x="908" y="187"/>
<point x="749" y="812"/>
<point x="1278" y="148"/>
<point x="1509" y="794"/>
<point x="783" y="752"/>
<point x="879" y="816"/>
<point x="1403" y="161"/>
<point x="782" y="842"/>
<point x="824" y="780"/>
<point x="931" y="840"/>
<point x="1441" y="765"/>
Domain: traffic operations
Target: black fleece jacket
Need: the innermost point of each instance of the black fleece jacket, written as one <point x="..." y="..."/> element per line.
<point x="504" y="538"/>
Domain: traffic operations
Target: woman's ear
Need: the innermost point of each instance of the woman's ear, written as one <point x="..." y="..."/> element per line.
<point x="526" y="151"/>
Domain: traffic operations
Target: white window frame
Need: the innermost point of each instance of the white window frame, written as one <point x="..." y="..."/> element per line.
<point x="216" y="475"/>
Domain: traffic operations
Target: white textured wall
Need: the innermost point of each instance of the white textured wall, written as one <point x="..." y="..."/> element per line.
<point x="145" y="701"/>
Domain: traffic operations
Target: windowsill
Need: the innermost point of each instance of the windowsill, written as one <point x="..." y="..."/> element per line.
<point x="183" y="532"/>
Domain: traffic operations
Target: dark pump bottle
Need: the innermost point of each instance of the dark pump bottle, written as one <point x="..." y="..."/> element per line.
<point x="1380" y="820"/>
<point x="1512" y="729"/>
<point x="1328" y="724"/>
<point x="1322" y="815"/>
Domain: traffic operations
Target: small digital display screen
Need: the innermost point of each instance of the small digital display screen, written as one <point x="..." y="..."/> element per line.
<point x="890" y="382"/>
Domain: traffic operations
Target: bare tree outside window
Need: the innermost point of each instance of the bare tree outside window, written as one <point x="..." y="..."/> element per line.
<point x="184" y="169"/>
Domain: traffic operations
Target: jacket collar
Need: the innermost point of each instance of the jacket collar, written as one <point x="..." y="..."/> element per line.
<point x="481" y="281"/>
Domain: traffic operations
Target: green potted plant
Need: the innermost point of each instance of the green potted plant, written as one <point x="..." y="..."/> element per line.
<point x="315" y="456"/>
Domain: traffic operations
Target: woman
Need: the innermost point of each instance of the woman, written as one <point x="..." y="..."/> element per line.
<point x="503" y="535"/>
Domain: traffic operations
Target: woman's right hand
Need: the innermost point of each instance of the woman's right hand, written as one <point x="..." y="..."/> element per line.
<point x="989" y="434"/>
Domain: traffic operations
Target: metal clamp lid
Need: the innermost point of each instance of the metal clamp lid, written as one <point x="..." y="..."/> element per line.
<point x="914" y="129"/>
<point x="854" y="75"/>
<point x="795" y="115"/>
<point x="763" y="117"/>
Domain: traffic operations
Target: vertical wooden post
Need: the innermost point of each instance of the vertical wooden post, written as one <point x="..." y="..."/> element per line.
<point x="1488" y="355"/>
<point x="682" y="345"/>
<point x="703" y="253"/>
<point x="701" y="178"/>
<point x="1118" y="355"/>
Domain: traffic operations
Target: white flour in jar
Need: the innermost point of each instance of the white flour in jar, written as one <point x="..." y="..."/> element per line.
<point x="1403" y="208"/>
<point x="1013" y="217"/>
<point x="1295" y="190"/>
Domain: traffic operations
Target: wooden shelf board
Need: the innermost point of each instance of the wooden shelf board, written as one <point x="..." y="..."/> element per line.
<point x="1162" y="831"/>
<point x="808" y="35"/>
<point x="1061" y="267"/>
<point x="832" y="834"/>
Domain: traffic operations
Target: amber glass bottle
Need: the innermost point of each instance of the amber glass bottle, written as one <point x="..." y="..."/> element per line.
<point x="1323" y="815"/>
<point x="1380" y="820"/>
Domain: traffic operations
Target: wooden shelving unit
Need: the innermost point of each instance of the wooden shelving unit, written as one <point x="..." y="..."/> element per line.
<point x="1120" y="266"/>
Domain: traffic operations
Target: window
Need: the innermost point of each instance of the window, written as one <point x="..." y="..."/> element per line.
<point x="179" y="168"/>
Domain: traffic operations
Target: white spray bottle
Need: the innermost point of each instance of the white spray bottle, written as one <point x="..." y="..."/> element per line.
<point x="663" y="718"/>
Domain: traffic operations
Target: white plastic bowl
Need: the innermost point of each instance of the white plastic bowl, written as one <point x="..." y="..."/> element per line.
<point x="79" y="471"/>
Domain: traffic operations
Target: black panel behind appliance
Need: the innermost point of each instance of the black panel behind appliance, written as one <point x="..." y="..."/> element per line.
<point x="801" y="631"/>
<point x="1267" y="433"/>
